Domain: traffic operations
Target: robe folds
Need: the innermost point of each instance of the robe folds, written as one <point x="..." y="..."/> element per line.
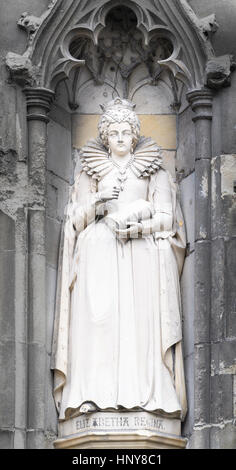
<point x="118" y="335"/>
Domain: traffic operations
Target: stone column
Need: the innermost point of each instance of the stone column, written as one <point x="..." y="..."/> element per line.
<point x="201" y="102"/>
<point x="38" y="106"/>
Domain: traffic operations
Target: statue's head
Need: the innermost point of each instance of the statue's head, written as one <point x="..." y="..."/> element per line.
<point x="119" y="126"/>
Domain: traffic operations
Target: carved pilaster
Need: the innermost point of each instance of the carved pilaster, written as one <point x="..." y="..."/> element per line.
<point x="38" y="105"/>
<point x="201" y="102"/>
<point x="38" y="102"/>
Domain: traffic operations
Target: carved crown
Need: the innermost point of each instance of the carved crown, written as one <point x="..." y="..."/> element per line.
<point x="118" y="103"/>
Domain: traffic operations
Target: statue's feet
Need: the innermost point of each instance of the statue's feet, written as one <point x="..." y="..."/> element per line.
<point x="87" y="407"/>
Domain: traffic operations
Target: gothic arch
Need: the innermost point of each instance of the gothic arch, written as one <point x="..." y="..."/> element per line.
<point x="47" y="59"/>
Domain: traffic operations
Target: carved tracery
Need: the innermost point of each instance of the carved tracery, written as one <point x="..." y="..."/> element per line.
<point x="50" y="58"/>
<point x="72" y="34"/>
<point x="119" y="53"/>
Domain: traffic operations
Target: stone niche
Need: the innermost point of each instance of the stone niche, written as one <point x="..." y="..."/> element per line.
<point x="121" y="65"/>
<point x="80" y="55"/>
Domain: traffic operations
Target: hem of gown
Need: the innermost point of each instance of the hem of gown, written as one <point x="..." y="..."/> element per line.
<point x="73" y="412"/>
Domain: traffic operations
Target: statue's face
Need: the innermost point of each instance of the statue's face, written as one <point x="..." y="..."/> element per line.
<point x="120" y="138"/>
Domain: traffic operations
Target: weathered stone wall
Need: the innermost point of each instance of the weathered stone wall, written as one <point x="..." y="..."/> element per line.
<point x="223" y="258"/>
<point x="209" y="346"/>
<point x="210" y="342"/>
<point x="215" y="428"/>
<point x="16" y="197"/>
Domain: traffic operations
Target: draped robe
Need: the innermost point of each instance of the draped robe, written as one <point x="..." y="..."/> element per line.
<point x="117" y="334"/>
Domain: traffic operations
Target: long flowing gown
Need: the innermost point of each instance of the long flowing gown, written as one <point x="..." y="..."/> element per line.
<point x="117" y="340"/>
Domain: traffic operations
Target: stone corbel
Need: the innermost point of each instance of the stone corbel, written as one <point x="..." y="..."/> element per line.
<point x="21" y="69"/>
<point x="218" y="71"/>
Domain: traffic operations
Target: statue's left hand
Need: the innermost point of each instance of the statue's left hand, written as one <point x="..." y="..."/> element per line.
<point x="134" y="228"/>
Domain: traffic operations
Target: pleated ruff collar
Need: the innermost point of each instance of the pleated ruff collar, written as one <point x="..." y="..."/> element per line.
<point x="97" y="164"/>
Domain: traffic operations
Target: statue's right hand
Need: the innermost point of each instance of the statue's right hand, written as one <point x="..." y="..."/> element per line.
<point x="108" y="194"/>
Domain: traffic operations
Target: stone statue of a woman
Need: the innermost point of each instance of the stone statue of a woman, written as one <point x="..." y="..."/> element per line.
<point x="117" y="336"/>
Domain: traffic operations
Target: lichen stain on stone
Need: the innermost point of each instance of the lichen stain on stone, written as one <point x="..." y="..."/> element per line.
<point x="18" y="134"/>
<point x="214" y="174"/>
<point x="213" y="369"/>
<point x="8" y="159"/>
<point x="223" y="369"/>
<point x="16" y="191"/>
<point x="204" y="186"/>
<point x="213" y="162"/>
<point x="228" y="175"/>
<point x="202" y="233"/>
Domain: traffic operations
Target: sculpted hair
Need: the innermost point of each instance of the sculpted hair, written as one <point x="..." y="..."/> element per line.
<point x="118" y="111"/>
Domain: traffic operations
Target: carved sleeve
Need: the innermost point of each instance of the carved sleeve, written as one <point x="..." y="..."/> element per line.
<point x="83" y="203"/>
<point x="161" y="196"/>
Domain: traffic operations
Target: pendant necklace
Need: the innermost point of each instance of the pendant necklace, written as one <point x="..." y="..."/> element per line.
<point x="122" y="176"/>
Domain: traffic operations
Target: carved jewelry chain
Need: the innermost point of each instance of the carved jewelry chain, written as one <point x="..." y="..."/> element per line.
<point x="122" y="176"/>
